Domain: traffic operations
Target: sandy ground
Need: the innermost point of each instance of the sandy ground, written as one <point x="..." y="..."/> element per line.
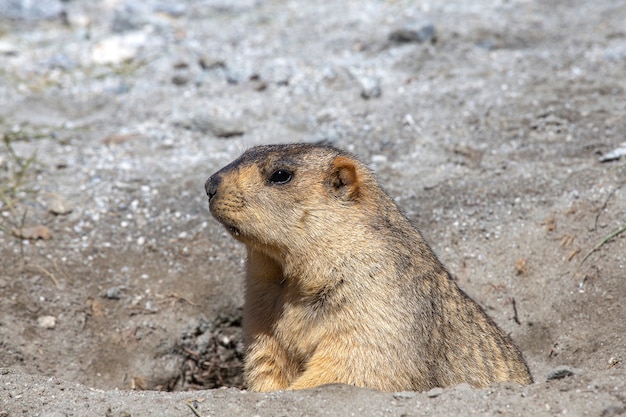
<point x="492" y="124"/>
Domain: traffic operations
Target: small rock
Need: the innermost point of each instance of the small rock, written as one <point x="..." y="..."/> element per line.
<point x="221" y="128"/>
<point x="414" y="32"/>
<point x="370" y="87"/>
<point x="32" y="232"/>
<point x="379" y="159"/>
<point x="464" y="386"/>
<point x="180" y="79"/>
<point x="614" y="155"/>
<point x="113" y="293"/>
<point x="8" y="48"/>
<point x="58" y="205"/>
<point x="404" y="395"/>
<point x="234" y="76"/>
<point x="520" y="266"/>
<point x="47" y="322"/>
<point x="435" y="392"/>
<point x="208" y="63"/>
<point x="561" y="372"/>
<point x="118" y="49"/>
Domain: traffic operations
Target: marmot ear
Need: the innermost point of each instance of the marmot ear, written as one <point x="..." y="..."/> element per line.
<point x="344" y="181"/>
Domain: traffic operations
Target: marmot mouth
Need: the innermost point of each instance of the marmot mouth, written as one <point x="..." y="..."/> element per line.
<point x="226" y="222"/>
<point x="233" y="230"/>
<point x="230" y="227"/>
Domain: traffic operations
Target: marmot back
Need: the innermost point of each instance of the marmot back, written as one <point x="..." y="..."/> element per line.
<point x="341" y="288"/>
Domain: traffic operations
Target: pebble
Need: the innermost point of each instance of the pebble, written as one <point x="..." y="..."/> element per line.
<point x="435" y="392"/>
<point x="234" y="76"/>
<point x="414" y="32"/>
<point x="113" y="293"/>
<point x="208" y="63"/>
<point x="32" y="232"/>
<point x="561" y="372"/>
<point x="47" y="322"/>
<point x="180" y="79"/>
<point x="8" y="48"/>
<point x="59" y="205"/>
<point x="118" y="49"/>
<point x="370" y="87"/>
<point x="404" y="395"/>
<point x="614" y="155"/>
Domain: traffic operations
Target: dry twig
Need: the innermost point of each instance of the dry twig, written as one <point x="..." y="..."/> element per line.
<point x="192" y="406"/>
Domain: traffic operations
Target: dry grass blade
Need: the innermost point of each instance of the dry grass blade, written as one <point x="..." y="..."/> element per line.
<point x="599" y="245"/>
<point x="13" y="179"/>
<point x="48" y="274"/>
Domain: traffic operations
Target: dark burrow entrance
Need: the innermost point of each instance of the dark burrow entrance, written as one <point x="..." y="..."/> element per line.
<point x="213" y="353"/>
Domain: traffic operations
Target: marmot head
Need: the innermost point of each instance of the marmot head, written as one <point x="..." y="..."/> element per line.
<point x="280" y="198"/>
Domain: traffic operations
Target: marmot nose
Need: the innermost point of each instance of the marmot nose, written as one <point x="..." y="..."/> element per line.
<point x="211" y="185"/>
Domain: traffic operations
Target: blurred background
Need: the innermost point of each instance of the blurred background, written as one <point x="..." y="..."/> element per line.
<point x="497" y="126"/>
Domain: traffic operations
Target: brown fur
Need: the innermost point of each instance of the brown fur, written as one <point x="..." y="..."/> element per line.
<point x="341" y="288"/>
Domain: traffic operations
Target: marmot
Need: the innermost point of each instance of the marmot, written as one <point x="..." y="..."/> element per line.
<point x="341" y="288"/>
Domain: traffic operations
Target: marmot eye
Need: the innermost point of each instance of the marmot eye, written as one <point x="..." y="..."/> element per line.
<point x="281" y="176"/>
